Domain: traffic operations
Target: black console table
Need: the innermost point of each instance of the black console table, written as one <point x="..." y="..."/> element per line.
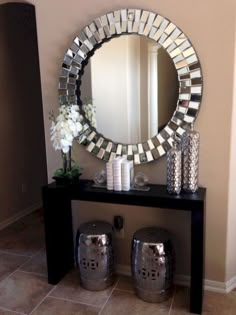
<point x="59" y="234"/>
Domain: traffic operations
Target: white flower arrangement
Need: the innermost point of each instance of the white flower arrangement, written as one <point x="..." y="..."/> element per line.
<point x="90" y="113"/>
<point x="64" y="128"/>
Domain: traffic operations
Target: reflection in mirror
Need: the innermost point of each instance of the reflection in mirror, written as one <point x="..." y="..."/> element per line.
<point x="133" y="86"/>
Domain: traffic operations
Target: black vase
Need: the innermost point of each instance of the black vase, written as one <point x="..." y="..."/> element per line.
<point x="62" y="181"/>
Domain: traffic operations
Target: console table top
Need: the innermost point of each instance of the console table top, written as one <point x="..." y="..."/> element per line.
<point x="157" y="196"/>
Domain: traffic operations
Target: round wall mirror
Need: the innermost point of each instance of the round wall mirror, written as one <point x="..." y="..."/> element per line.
<point x="132" y="80"/>
<point x="138" y="82"/>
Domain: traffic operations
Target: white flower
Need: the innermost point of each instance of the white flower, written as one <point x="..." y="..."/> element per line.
<point x="90" y="114"/>
<point x="66" y="127"/>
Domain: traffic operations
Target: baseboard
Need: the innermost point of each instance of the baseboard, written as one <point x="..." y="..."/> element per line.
<point x="215" y="286"/>
<point x="209" y="285"/>
<point x="231" y="284"/>
<point x="20" y="215"/>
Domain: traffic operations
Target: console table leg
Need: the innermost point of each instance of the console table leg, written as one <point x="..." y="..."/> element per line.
<point x="197" y="249"/>
<point x="58" y="233"/>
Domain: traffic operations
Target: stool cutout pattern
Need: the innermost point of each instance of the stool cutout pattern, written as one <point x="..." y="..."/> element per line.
<point x="94" y="255"/>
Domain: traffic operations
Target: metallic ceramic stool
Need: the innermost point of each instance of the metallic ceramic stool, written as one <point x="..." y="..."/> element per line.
<point x="94" y="255"/>
<point x="152" y="264"/>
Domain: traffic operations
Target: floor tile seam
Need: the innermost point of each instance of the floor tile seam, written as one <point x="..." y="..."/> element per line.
<point x="26" y="262"/>
<point x="54" y="288"/>
<point x="124" y="290"/>
<point x="33" y="273"/>
<point x="41" y="301"/>
<point x="132" y="292"/>
<point x="36" y="253"/>
<point x="73" y="301"/>
<point x="172" y="302"/>
<point x="15" y="254"/>
<point x="118" y="280"/>
<point x="9" y="310"/>
<point x="108" y="298"/>
<point x="30" y="273"/>
<point x="10" y="274"/>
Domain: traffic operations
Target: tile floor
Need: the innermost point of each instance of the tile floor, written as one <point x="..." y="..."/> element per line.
<point x="24" y="288"/>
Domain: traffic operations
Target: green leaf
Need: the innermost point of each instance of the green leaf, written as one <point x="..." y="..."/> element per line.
<point x="59" y="172"/>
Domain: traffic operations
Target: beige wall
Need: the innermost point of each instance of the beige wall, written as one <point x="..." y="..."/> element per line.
<point x="231" y="229"/>
<point x="213" y="37"/>
<point x="23" y="157"/>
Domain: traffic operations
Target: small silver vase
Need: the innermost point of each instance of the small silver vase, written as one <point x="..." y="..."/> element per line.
<point x="174" y="169"/>
<point x="190" y="160"/>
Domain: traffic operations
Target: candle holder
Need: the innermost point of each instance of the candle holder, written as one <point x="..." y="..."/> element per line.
<point x="174" y="169"/>
<point x="190" y="160"/>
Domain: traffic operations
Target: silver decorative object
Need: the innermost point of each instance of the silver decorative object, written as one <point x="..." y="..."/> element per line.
<point x="94" y="255"/>
<point x="174" y="169"/>
<point x="178" y="46"/>
<point x="190" y="160"/>
<point x="141" y="182"/>
<point x="100" y="178"/>
<point x="152" y="264"/>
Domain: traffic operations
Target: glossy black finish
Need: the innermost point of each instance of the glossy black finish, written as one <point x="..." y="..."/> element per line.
<point x="59" y="234"/>
<point x="23" y="154"/>
<point x="58" y="225"/>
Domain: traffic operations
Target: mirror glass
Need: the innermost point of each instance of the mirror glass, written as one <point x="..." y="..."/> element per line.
<point x="143" y="96"/>
<point x="132" y="84"/>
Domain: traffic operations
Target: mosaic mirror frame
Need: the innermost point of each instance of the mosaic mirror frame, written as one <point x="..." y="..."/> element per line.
<point x="180" y="50"/>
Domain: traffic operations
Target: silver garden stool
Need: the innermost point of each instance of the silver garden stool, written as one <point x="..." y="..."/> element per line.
<point x="152" y="264"/>
<point x="94" y="255"/>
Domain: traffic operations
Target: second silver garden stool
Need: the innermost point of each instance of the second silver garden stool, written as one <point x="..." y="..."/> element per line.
<point x="94" y="255"/>
<point x="152" y="264"/>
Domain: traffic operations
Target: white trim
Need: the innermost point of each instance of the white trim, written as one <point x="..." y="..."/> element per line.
<point x="20" y="215"/>
<point x="231" y="284"/>
<point x="215" y="286"/>
<point x="209" y="285"/>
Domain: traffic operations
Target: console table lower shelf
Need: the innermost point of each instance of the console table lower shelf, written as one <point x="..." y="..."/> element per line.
<point x="59" y="233"/>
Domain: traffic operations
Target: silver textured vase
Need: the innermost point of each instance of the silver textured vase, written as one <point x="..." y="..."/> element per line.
<point x="190" y="160"/>
<point x="174" y="165"/>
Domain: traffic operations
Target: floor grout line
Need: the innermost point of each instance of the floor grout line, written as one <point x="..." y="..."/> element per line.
<point x="19" y="270"/>
<point x="26" y="262"/>
<point x="118" y="280"/>
<point x="73" y="301"/>
<point x="10" y="274"/>
<point x="14" y="254"/>
<point x="32" y="273"/>
<point x="55" y="286"/>
<point x="28" y="258"/>
<point x="7" y="309"/>
<point x="172" y="301"/>
<point x="41" y="248"/>
<point x="124" y="290"/>
<point x="100" y="312"/>
<point x="41" y="301"/>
